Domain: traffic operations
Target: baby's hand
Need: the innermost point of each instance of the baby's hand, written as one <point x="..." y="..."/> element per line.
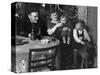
<point x="82" y="43"/>
<point x="65" y="28"/>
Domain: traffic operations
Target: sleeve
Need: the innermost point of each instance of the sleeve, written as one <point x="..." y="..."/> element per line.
<point x="50" y="28"/>
<point x="49" y="25"/>
<point x="86" y="35"/>
<point x="75" y="36"/>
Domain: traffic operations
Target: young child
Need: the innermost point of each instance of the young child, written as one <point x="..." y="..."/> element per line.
<point x="80" y="34"/>
<point x="65" y="33"/>
<point x="82" y="42"/>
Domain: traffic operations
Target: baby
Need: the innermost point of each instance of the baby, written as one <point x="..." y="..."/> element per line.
<point x="65" y="30"/>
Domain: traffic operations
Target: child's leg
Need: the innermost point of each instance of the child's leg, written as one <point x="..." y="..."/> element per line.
<point x="68" y="37"/>
<point x="64" y="39"/>
<point x="68" y="40"/>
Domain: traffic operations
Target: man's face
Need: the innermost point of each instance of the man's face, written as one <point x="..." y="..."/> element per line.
<point x="33" y="17"/>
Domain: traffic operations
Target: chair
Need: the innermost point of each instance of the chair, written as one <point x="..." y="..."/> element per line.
<point x="84" y="53"/>
<point x="84" y="58"/>
<point x="40" y="58"/>
<point x="75" y="52"/>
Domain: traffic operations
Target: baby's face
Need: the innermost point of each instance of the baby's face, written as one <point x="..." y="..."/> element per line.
<point x="63" y="20"/>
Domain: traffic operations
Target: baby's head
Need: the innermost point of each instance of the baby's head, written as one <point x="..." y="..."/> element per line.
<point x="63" y="19"/>
<point x="80" y="25"/>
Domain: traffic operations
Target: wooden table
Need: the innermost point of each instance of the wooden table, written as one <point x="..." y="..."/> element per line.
<point x="22" y="51"/>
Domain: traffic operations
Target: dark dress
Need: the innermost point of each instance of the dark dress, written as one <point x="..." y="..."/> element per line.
<point x="64" y="48"/>
<point x="57" y="32"/>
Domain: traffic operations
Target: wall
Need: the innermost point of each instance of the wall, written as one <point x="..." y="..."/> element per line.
<point x="92" y="22"/>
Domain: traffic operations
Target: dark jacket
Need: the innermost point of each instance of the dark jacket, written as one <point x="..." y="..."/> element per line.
<point x="41" y="25"/>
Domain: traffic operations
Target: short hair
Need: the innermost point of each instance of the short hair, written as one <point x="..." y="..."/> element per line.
<point x="81" y="22"/>
<point x="30" y="10"/>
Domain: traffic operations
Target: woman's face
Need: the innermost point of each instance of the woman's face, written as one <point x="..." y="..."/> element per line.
<point x="54" y="16"/>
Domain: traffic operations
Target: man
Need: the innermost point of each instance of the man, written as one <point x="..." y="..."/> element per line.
<point x="34" y="24"/>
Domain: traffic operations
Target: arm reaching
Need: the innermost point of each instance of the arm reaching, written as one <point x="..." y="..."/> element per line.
<point x="52" y="30"/>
